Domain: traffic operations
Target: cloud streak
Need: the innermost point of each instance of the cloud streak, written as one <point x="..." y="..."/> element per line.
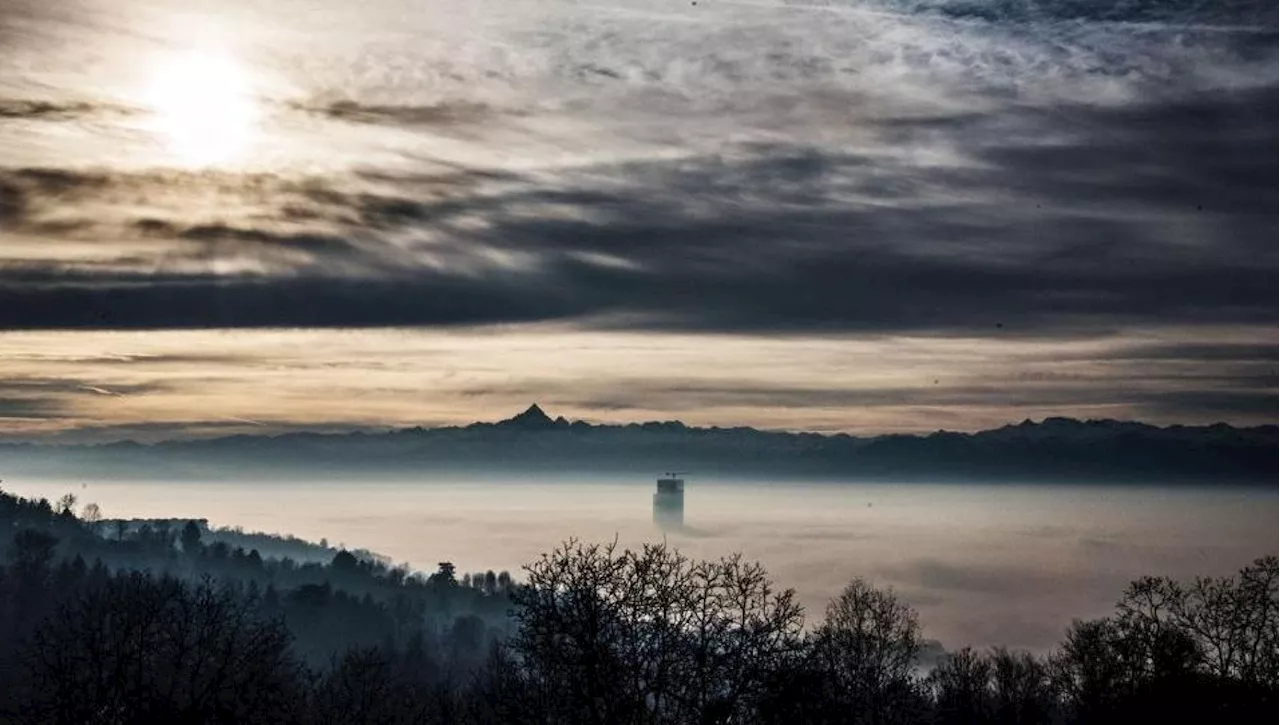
<point x="16" y="109"/>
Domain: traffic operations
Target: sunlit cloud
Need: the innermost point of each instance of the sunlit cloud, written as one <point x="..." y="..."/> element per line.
<point x="107" y="385"/>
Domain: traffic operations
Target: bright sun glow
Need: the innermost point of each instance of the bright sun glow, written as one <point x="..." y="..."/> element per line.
<point x="204" y="108"/>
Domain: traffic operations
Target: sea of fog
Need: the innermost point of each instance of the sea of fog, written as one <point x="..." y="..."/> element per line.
<point x="983" y="564"/>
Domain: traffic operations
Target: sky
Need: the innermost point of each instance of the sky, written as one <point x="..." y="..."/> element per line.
<point x="851" y="215"/>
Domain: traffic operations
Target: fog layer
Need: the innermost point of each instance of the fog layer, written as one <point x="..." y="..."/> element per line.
<point x="984" y="565"/>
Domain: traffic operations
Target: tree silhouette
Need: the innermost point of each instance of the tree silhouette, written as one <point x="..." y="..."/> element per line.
<point x="66" y="505"/>
<point x="364" y="686"/>
<point x="866" y="650"/>
<point x="30" y="555"/>
<point x="960" y="687"/>
<point x="140" y="649"/>
<point x="620" y="636"/>
<point x="91" y="513"/>
<point x="190" y="539"/>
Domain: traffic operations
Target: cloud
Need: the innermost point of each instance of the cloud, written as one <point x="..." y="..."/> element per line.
<point x="1130" y="217"/>
<point x="1231" y="403"/>
<point x="51" y="385"/>
<point x="49" y="398"/>
<point x="102" y="391"/>
<point x="61" y="427"/>
<point x="17" y="109"/>
<point x="402" y="377"/>
<point x="1143" y="396"/>
<point x="1248" y="17"/>
<point x="994" y="173"/>
<point x="31" y="409"/>
<point x="1220" y="351"/>
<point x="434" y="115"/>
<point x="219" y="236"/>
<point x="30" y="198"/>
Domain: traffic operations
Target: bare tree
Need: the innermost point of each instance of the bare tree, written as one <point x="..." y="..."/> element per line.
<point x="91" y="513"/>
<point x="1258" y="621"/>
<point x="30" y="556"/>
<point x="364" y="686"/>
<point x="1023" y="689"/>
<point x="620" y="636"/>
<point x="960" y="687"/>
<point x="866" y="650"/>
<point x="150" y="650"/>
<point x="1222" y="626"/>
<point x="1206" y="650"/>
<point x="66" y="505"/>
<point x="1233" y="622"/>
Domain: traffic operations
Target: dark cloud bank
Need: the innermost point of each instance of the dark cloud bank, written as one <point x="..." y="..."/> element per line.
<point x="1162" y="214"/>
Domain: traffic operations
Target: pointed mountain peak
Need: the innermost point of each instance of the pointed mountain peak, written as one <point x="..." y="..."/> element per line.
<point x="534" y="411"/>
<point x="533" y="417"/>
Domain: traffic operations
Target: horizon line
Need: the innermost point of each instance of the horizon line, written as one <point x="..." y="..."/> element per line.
<point x="560" y="421"/>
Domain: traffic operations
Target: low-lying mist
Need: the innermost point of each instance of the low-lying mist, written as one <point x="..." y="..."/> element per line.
<point x="983" y="564"/>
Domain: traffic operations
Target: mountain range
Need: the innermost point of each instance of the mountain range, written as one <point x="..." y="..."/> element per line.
<point x="535" y="445"/>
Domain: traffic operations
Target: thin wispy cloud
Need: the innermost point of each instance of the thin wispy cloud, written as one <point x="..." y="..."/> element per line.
<point x="102" y="391"/>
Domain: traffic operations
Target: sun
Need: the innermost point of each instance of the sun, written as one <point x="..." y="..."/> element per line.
<point x="204" y="109"/>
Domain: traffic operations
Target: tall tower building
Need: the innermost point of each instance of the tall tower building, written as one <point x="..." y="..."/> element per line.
<point x="668" y="502"/>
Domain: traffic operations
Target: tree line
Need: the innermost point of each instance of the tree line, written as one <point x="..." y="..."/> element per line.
<point x="157" y="626"/>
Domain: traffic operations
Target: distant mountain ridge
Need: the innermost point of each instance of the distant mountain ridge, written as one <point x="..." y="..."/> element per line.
<point x="533" y="443"/>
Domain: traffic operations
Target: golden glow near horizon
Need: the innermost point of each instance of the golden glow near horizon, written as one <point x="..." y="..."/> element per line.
<point x="95" y="385"/>
<point x="204" y="110"/>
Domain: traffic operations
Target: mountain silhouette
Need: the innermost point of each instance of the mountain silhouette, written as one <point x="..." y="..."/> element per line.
<point x="533" y="443"/>
<point x="533" y="418"/>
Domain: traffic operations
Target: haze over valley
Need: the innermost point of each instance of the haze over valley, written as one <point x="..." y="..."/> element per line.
<point x="985" y="564"/>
